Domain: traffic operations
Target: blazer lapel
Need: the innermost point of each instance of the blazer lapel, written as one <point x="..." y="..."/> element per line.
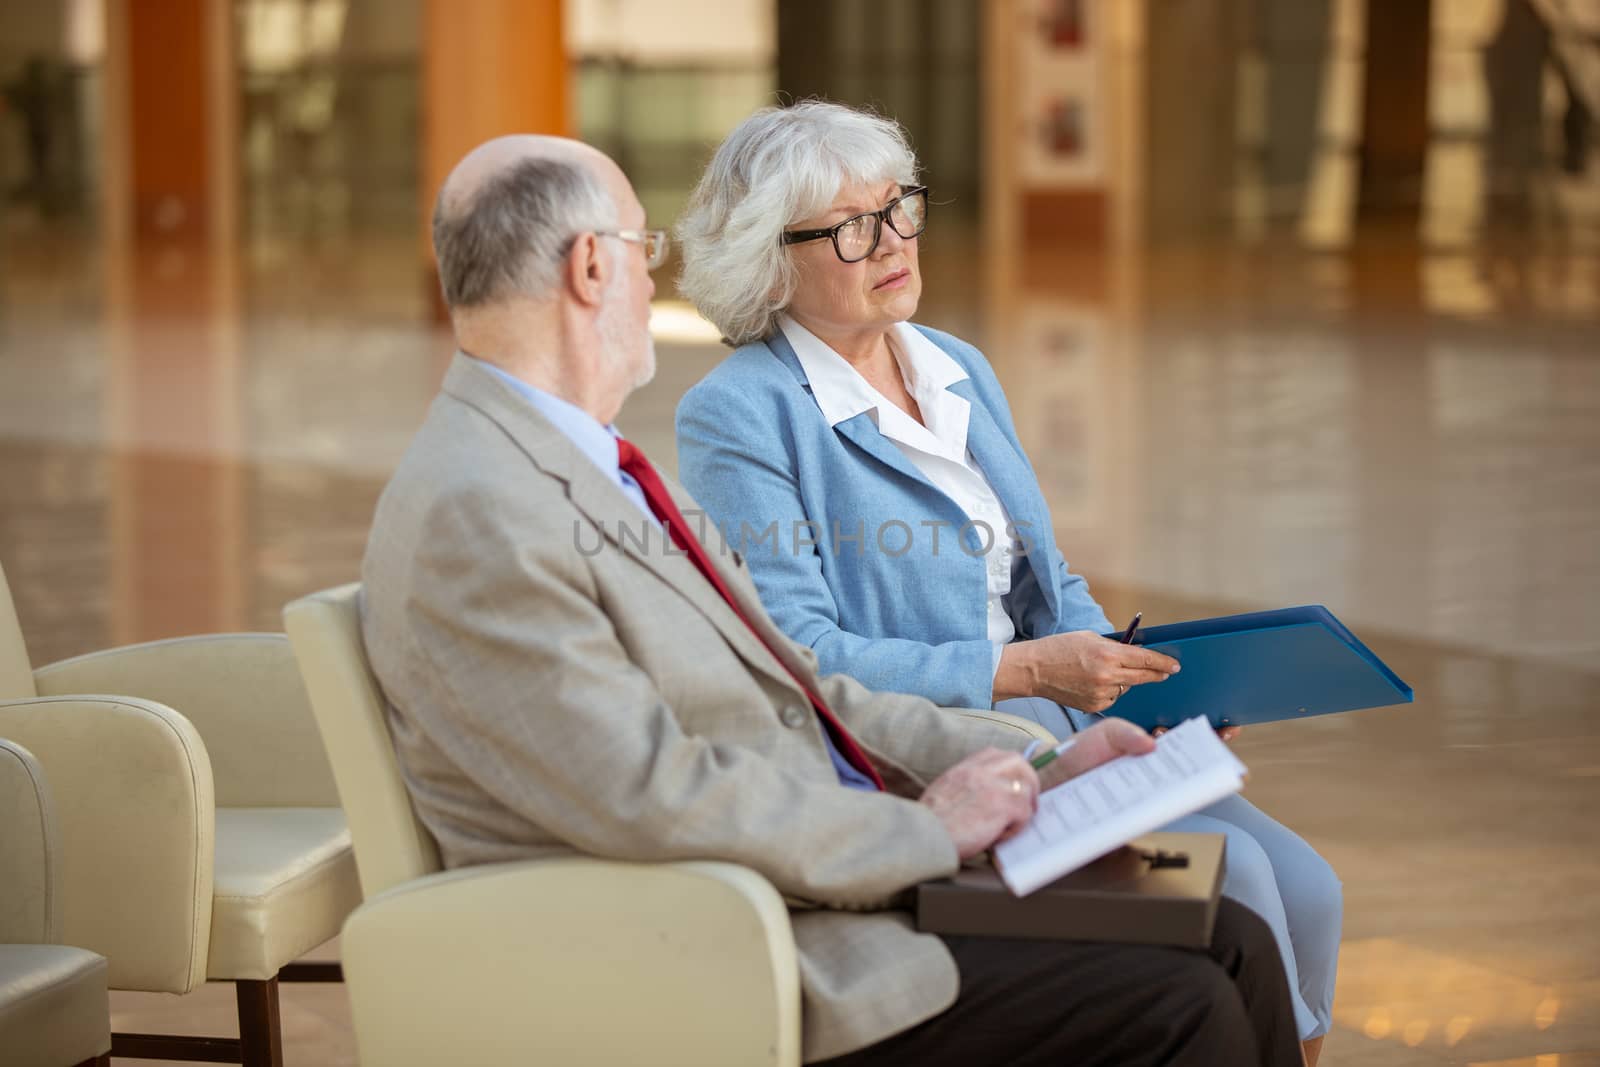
<point x="860" y="430"/>
<point x="864" y="433"/>
<point x="1008" y="474"/>
<point x="604" y="505"/>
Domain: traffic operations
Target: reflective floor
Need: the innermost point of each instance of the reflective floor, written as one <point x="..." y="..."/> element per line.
<point x="1409" y="437"/>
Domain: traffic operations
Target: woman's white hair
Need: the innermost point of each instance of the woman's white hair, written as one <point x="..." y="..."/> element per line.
<point x="778" y="167"/>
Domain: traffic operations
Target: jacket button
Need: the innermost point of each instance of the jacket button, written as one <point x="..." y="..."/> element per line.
<point x="793" y="716"/>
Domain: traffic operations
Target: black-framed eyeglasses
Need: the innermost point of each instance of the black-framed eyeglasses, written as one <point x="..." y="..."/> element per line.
<point x="856" y="237"/>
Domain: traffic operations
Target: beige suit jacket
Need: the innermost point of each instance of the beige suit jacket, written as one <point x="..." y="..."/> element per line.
<point x="559" y="680"/>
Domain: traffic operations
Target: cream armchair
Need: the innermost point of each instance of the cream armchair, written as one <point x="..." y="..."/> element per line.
<point x="579" y="962"/>
<point x="203" y="840"/>
<point x="53" y="1009"/>
<point x="571" y="960"/>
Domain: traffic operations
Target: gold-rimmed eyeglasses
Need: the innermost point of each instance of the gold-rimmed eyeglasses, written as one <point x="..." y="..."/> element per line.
<point x="654" y="242"/>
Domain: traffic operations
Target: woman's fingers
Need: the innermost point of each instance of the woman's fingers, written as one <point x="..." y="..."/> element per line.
<point x="1145" y="659"/>
<point x="1137" y="676"/>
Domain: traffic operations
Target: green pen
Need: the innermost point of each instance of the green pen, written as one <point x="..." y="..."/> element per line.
<point x="1042" y="760"/>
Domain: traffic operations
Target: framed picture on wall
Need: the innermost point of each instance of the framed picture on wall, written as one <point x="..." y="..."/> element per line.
<point x="1061" y="130"/>
<point x="1064" y="23"/>
<point x="1060" y="95"/>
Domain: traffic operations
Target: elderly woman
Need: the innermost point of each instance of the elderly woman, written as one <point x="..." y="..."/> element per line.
<point x="869" y="471"/>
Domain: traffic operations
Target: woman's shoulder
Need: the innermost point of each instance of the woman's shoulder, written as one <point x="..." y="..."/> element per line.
<point x="751" y="366"/>
<point x="751" y="376"/>
<point x="973" y="361"/>
<point x="751" y="387"/>
<point x="949" y="342"/>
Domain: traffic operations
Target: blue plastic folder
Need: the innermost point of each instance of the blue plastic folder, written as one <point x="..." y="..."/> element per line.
<point x="1259" y="667"/>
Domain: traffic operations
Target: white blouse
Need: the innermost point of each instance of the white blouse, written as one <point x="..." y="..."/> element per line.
<point x="937" y="446"/>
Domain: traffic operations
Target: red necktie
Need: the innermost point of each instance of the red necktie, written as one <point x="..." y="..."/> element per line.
<point x="632" y="460"/>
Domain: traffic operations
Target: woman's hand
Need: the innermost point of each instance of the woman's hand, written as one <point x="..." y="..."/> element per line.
<point x="1081" y="670"/>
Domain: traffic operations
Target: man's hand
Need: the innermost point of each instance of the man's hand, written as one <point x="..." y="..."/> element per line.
<point x="1227" y="733"/>
<point x="1081" y="669"/>
<point x="985" y="798"/>
<point x="1100" y="743"/>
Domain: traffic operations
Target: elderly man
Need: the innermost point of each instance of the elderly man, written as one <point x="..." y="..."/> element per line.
<point x="568" y="668"/>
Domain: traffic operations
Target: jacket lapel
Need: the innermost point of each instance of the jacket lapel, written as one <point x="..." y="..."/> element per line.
<point x="608" y="510"/>
<point x="860" y="430"/>
<point x="1008" y="472"/>
<point x="1009" y="476"/>
<point x="604" y="505"/>
<point x="864" y="434"/>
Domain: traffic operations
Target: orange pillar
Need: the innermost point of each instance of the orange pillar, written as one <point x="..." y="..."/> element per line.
<point x="172" y="397"/>
<point x="167" y="110"/>
<point x="489" y="67"/>
<point x="1394" y="109"/>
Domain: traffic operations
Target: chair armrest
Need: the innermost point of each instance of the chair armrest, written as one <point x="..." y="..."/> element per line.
<point x="30" y="852"/>
<point x="575" y="960"/>
<point x="132" y="790"/>
<point x="1016" y="722"/>
<point x="242" y="692"/>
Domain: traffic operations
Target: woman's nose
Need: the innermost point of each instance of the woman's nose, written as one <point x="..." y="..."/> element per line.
<point x="889" y="240"/>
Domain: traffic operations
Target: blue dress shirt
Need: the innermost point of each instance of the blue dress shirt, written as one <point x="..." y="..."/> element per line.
<point x="599" y="445"/>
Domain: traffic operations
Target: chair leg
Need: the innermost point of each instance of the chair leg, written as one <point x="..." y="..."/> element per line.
<point x="312" y="971"/>
<point x="260" y="1034"/>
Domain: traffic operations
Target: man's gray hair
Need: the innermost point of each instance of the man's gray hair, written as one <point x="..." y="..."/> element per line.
<point x="508" y="238"/>
<point x="778" y="167"/>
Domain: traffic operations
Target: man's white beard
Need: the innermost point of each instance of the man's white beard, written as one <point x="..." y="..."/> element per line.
<point x="617" y="336"/>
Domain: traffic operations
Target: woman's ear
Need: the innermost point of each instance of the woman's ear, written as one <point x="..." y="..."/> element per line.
<point x="784" y="287"/>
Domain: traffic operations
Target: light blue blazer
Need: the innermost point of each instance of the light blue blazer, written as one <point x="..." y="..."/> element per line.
<point x="875" y="597"/>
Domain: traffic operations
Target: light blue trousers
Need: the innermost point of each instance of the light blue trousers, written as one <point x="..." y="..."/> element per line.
<point x="1270" y="870"/>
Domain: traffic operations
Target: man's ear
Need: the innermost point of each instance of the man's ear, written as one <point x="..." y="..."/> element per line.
<point x="587" y="272"/>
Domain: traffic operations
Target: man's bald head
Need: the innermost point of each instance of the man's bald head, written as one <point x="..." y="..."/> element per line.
<point x="507" y="212"/>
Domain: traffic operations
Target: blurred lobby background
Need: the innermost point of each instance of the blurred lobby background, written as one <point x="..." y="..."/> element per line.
<point x="1296" y="301"/>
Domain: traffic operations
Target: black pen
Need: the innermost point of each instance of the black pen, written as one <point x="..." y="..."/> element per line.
<point x="1127" y="635"/>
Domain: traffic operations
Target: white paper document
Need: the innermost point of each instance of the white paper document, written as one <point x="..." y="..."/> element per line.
<point x="1081" y="820"/>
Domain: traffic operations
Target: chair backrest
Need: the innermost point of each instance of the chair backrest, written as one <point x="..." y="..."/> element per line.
<point x="30" y="852"/>
<point x="16" y="673"/>
<point x="391" y="845"/>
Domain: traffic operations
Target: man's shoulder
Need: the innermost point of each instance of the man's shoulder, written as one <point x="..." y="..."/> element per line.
<point x="465" y="471"/>
<point x="458" y="449"/>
